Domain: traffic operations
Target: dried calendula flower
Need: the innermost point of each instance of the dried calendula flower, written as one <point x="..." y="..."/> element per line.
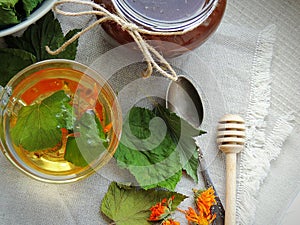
<point x="170" y="222"/>
<point x="204" y="201"/>
<point x="161" y="210"/>
<point x="196" y="219"/>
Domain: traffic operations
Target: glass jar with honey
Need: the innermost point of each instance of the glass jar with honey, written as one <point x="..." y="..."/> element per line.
<point x="184" y="24"/>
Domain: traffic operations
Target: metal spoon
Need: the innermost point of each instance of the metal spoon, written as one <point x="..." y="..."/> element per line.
<point x="183" y="99"/>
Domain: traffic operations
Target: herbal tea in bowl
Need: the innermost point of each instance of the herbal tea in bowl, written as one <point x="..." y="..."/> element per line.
<point x="60" y="121"/>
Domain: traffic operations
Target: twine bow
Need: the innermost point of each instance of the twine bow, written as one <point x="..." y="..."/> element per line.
<point x="135" y="32"/>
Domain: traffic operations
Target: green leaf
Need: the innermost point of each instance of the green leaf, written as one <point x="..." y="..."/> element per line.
<point x="12" y="11"/>
<point x="46" y="31"/>
<point x="90" y="143"/>
<point x="30" y="5"/>
<point x="127" y="205"/>
<point x="156" y="145"/>
<point x="182" y="134"/>
<point x="169" y="183"/>
<point x="12" y="61"/>
<point x="8" y="14"/>
<point x="39" y="126"/>
<point x="147" y="150"/>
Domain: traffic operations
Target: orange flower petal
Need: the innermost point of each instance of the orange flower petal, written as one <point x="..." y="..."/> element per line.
<point x="170" y="222"/>
<point x="161" y="210"/>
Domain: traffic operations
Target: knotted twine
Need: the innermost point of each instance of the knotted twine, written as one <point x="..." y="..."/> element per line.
<point x="135" y="32"/>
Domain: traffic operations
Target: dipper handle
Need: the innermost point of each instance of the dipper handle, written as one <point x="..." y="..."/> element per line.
<point x="231" y="140"/>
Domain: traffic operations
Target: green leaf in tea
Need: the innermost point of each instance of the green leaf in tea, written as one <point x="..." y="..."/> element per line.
<point x="39" y="125"/>
<point x="12" y="61"/>
<point x="46" y="31"/>
<point x="127" y="205"/>
<point x="147" y="150"/>
<point x="182" y="134"/>
<point x="90" y="142"/>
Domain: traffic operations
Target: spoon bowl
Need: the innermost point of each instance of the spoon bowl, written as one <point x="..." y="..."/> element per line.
<point x="183" y="99"/>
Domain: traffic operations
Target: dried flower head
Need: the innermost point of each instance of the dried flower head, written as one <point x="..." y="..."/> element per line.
<point x="197" y="219"/>
<point x="204" y="201"/>
<point x="161" y="210"/>
<point x="170" y="222"/>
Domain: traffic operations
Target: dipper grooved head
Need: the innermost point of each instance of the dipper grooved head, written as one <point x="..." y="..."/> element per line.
<point x="231" y="134"/>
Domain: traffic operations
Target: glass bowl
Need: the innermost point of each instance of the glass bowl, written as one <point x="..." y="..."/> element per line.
<point x="38" y="13"/>
<point x="60" y="121"/>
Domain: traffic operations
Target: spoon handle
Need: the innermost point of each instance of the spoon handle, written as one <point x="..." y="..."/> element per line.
<point x="218" y="208"/>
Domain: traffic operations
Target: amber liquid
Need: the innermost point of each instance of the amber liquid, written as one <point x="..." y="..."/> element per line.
<point x="42" y="84"/>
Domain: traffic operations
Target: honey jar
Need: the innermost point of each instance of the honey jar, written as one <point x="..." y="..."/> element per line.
<point x="176" y="26"/>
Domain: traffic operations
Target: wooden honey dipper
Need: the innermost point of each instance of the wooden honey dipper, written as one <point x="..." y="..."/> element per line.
<point x="231" y="140"/>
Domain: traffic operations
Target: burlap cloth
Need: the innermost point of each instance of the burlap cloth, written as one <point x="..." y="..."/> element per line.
<point x="233" y="73"/>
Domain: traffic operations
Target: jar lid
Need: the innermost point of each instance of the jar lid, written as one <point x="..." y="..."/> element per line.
<point x="166" y="15"/>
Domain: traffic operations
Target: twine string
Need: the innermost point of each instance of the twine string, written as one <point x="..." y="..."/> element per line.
<point x="134" y="31"/>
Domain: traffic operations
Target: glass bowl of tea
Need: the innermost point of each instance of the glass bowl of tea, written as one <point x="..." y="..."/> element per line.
<point x="60" y="121"/>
